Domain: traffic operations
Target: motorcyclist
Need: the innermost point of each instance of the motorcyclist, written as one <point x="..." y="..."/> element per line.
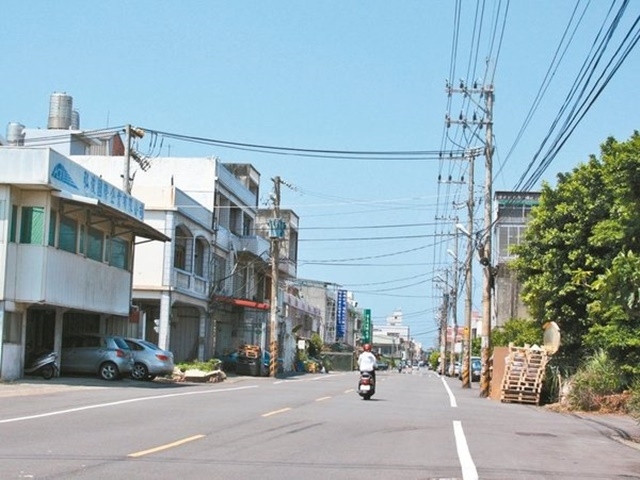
<point x="367" y="361"/>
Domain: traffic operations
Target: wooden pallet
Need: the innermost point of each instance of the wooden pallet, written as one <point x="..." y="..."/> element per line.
<point x="524" y="374"/>
<point x="249" y="351"/>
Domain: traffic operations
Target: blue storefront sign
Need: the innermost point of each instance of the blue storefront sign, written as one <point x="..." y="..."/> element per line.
<point x="341" y="314"/>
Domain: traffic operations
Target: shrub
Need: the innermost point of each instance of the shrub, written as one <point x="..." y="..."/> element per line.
<point x="208" y="366"/>
<point x="633" y="402"/>
<point x="596" y="380"/>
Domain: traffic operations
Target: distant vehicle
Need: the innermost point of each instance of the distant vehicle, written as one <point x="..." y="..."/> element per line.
<point x="150" y="361"/>
<point x="476" y="369"/>
<point x="382" y="365"/>
<point x="107" y="355"/>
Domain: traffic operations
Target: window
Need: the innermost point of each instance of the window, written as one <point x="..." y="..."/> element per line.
<point x="68" y="234"/>
<point x="52" y="228"/>
<point x="82" y="247"/>
<point x="14" y="223"/>
<point x="95" y="245"/>
<point x="200" y="261"/>
<point x="12" y="328"/>
<point x="32" y="225"/>
<point x="120" y="253"/>
<point x="183" y="248"/>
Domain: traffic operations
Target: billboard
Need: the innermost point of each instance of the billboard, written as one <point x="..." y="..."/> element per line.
<point x="365" y="333"/>
<point x="341" y="314"/>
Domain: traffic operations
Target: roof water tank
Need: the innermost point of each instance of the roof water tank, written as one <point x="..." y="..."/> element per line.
<point x="15" y="134"/>
<point x="75" y="120"/>
<point x="60" y="108"/>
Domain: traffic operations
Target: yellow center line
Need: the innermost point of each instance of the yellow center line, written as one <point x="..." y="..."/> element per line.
<point x="165" y="447"/>
<point x="322" y="398"/>
<point x="276" y="411"/>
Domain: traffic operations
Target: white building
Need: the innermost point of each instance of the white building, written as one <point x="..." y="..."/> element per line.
<point x="66" y="253"/>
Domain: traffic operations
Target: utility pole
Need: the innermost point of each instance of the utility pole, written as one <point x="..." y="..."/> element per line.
<point x="468" y="273"/>
<point x="444" y="317"/>
<point x="485" y="120"/>
<point x="129" y="132"/>
<point x="485" y="260"/>
<point x="454" y="300"/>
<point x="276" y="233"/>
<point x="126" y="175"/>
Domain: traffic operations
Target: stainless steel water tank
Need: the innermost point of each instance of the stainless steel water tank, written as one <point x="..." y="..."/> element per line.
<point x="75" y="120"/>
<point x="15" y="134"/>
<point x="60" y="108"/>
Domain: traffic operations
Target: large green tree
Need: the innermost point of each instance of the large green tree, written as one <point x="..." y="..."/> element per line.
<point x="575" y="233"/>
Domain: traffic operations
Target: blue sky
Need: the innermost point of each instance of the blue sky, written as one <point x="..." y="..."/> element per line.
<point x="331" y="75"/>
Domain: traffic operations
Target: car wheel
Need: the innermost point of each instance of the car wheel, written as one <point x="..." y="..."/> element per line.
<point x="109" y="371"/>
<point x="139" y="372"/>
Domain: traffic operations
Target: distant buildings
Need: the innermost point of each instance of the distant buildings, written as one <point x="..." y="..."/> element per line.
<point x="95" y="237"/>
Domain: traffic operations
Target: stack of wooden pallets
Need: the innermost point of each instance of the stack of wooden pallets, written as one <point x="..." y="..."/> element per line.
<point x="249" y="351"/>
<point x="523" y="375"/>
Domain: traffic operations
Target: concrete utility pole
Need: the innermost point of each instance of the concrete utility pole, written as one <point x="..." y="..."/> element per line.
<point x="454" y="300"/>
<point x="444" y="321"/>
<point x="126" y="175"/>
<point x="485" y="375"/>
<point x="130" y="132"/>
<point x="275" y="235"/>
<point x="468" y="274"/>
<point x="487" y="92"/>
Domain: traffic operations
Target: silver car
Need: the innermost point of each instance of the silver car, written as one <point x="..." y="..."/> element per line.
<point x="150" y="361"/>
<point x="107" y="355"/>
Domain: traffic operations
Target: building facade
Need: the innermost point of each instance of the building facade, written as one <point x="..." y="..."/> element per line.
<point x="66" y="254"/>
<point x="512" y="215"/>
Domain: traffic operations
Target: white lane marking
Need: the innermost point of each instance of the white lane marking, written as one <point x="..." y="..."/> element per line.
<point x="122" y="402"/>
<point x="469" y="471"/>
<point x="321" y="399"/>
<point x="274" y="412"/>
<point x="452" y="398"/>
<point x="166" y="446"/>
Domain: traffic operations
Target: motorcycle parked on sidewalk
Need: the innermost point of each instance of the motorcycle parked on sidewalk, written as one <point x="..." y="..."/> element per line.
<point x="44" y="365"/>
<point x="366" y="385"/>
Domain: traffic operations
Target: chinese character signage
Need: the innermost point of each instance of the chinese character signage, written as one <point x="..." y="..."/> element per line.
<point x="341" y="314"/>
<point x="365" y="333"/>
<point x="70" y="177"/>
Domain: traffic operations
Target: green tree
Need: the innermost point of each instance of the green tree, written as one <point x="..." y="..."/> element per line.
<point x="616" y="314"/>
<point x="517" y="331"/>
<point x="315" y="345"/>
<point x="575" y="233"/>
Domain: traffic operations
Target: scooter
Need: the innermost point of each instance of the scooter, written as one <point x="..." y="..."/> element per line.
<point x="44" y="365"/>
<point x="366" y="385"/>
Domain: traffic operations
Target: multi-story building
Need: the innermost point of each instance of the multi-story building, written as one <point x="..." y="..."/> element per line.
<point x="66" y="253"/>
<point x="512" y="215"/>
<point x="206" y="291"/>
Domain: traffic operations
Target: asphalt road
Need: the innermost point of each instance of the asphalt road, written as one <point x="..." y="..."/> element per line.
<point x="417" y="426"/>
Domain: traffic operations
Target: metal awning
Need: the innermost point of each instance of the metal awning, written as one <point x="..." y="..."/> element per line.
<point x="121" y="219"/>
<point x="243" y="302"/>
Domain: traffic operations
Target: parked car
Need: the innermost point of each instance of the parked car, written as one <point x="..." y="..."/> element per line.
<point x="476" y="369"/>
<point x="149" y="360"/>
<point x="382" y="365"/>
<point x="108" y="356"/>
